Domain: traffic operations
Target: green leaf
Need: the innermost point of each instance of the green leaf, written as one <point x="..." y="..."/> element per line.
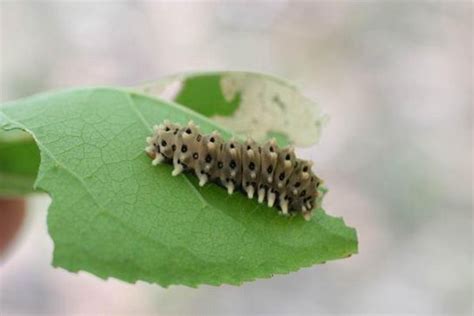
<point x="115" y="215"/>
<point x="19" y="162"/>
<point x="203" y="94"/>
<point x="248" y="103"/>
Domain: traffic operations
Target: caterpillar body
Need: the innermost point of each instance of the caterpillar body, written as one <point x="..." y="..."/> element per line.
<point x="266" y="171"/>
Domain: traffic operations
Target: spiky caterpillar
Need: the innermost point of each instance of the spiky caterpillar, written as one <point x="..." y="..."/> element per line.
<point x="270" y="172"/>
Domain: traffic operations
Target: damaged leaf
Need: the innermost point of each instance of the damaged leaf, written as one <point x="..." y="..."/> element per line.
<point x="247" y="103"/>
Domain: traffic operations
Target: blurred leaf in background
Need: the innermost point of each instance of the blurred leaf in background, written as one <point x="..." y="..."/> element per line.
<point x="252" y="104"/>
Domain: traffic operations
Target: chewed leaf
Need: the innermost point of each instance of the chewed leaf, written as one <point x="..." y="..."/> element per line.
<point x="247" y="103"/>
<point x="114" y="215"/>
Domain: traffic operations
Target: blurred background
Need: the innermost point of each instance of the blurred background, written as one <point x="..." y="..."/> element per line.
<point x="395" y="78"/>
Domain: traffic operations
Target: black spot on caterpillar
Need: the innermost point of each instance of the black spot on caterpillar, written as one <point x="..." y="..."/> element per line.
<point x="263" y="170"/>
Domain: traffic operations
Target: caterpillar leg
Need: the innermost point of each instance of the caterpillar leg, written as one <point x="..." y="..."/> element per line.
<point x="158" y="159"/>
<point x="271" y="198"/>
<point x="230" y="187"/>
<point x="178" y="168"/>
<point x="250" y="191"/>
<point x="284" y="206"/>
<point x="202" y="179"/>
<point x="261" y="195"/>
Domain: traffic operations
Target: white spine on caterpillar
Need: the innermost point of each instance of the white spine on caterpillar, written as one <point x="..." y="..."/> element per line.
<point x="271" y="173"/>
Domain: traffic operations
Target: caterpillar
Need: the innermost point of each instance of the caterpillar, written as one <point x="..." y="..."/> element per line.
<point x="266" y="171"/>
